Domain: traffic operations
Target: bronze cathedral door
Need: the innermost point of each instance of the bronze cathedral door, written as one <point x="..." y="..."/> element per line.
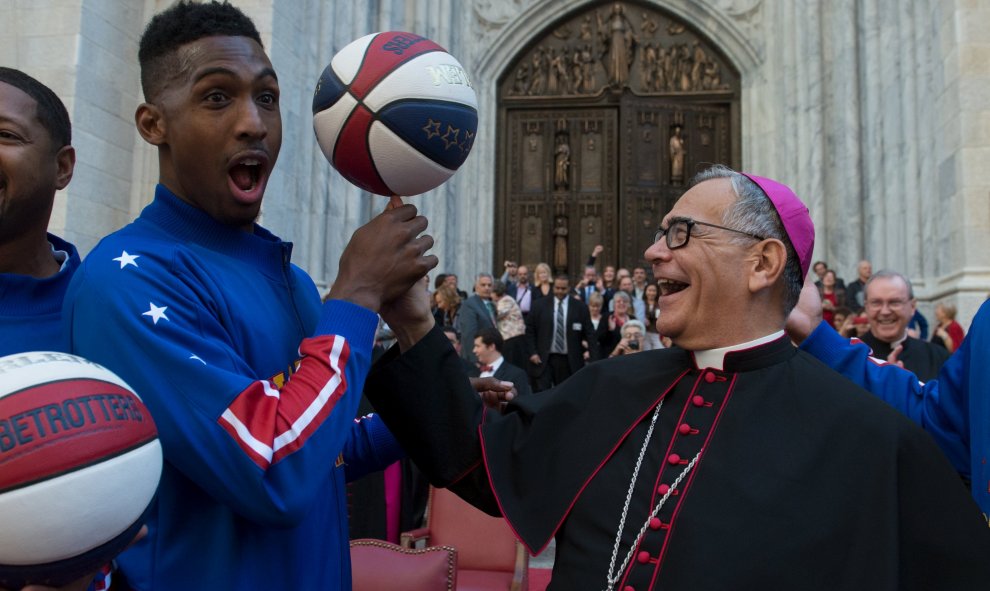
<point x="602" y="122"/>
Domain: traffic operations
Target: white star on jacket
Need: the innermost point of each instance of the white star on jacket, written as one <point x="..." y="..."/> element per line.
<point x="156" y="313"/>
<point x="127" y="259"/>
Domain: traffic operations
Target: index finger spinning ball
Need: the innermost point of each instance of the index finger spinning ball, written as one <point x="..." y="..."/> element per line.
<point x="395" y="113"/>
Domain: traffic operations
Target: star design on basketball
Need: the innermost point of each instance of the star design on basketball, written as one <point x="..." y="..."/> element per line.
<point x="156" y="313"/>
<point x="450" y="137"/>
<point x="467" y="142"/>
<point x="432" y="129"/>
<point x="127" y="259"/>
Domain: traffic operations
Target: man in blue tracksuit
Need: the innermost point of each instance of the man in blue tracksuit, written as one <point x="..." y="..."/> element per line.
<point x="954" y="408"/>
<point x="253" y="383"/>
<point x="36" y="160"/>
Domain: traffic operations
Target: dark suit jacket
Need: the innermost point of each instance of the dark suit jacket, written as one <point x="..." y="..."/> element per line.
<point x="539" y="331"/>
<point x="582" y="293"/>
<point x="511" y="373"/>
<point x="472" y="317"/>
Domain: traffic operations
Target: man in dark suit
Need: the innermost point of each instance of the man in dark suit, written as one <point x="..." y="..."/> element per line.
<point x="588" y="285"/>
<point x="488" y="350"/>
<point x="557" y="329"/>
<point x="477" y="312"/>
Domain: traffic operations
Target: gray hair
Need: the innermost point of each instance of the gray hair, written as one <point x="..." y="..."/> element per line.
<point x="888" y="274"/>
<point x="754" y="213"/>
<point x="633" y="324"/>
<point x="621" y="295"/>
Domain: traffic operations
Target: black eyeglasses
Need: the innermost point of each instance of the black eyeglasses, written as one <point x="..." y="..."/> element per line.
<point x="679" y="232"/>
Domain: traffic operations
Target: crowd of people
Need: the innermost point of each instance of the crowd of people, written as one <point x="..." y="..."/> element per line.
<point x="675" y="437"/>
<point x="601" y="315"/>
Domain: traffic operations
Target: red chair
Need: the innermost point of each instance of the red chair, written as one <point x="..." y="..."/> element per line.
<point x="378" y="565"/>
<point x="488" y="554"/>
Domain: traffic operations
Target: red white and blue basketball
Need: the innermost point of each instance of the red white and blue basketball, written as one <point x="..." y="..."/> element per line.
<point x="79" y="464"/>
<point x="395" y="113"/>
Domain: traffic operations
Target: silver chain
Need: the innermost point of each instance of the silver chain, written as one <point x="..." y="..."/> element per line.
<point x="614" y="575"/>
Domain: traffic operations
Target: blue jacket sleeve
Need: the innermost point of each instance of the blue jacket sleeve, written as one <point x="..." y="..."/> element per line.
<point x="263" y="448"/>
<point x="940" y="406"/>
<point x="371" y="448"/>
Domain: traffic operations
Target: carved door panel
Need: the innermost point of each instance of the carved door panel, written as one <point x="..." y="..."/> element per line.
<point x="663" y="143"/>
<point x="560" y="179"/>
<point x="603" y="119"/>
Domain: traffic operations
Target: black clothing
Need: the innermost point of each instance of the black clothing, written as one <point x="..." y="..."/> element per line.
<point x="805" y="481"/>
<point x="921" y="358"/>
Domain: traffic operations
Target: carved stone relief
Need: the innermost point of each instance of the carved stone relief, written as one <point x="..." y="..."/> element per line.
<point x="618" y="46"/>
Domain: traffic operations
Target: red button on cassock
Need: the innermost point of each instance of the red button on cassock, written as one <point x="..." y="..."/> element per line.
<point x="673" y="459"/>
<point x="684" y="429"/>
<point x="709" y="377"/>
<point x="655" y="523"/>
<point x="643" y="557"/>
<point x="697" y="400"/>
<point x="662" y="489"/>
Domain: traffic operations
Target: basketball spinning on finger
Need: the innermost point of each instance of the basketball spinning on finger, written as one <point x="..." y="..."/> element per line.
<point x="395" y="113"/>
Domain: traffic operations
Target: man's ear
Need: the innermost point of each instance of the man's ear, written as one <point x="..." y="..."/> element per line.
<point x="150" y="122"/>
<point x="65" y="162"/>
<point x="770" y="259"/>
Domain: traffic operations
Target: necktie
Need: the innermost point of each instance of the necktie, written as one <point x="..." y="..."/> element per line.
<point x="491" y="310"/>
<point x="558" y="329"/>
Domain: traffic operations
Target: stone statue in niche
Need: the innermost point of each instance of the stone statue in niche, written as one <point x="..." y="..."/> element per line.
<point x="560" y="244"/>
<point x="619" y="41"/>
<point x="677" y="152"/>
<point x="562" y="163"/>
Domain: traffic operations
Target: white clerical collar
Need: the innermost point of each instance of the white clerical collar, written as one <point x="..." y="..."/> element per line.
<point x="715" y="358"/>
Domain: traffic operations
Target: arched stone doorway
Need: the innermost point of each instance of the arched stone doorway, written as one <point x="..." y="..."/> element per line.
<point x="602" y="119"/>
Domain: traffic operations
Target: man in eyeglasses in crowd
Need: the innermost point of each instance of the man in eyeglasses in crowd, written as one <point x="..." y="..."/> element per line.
<point x="890" y="305"/>
<point x="729" y="461"/>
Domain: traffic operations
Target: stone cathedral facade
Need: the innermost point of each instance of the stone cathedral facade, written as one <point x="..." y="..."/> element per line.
<point x="593" y="116"/>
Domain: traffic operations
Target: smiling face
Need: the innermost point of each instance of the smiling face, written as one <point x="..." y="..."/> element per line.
<point x="704" y="296"/>
<point x="218" y="128"/>
<point x="31" y="167"/>
<point x="889" y="308"/>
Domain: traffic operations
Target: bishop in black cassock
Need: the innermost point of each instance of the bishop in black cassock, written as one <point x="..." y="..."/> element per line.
<point x="736" y="462"/>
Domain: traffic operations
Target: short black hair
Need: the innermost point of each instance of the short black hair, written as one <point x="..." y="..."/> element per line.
<point x="184" y="23"/>
<point x="51" y="111"/>
<point x="490" y="336"/>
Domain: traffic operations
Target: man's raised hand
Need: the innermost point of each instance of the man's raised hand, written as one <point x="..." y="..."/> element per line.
<point x="384" y="258"/>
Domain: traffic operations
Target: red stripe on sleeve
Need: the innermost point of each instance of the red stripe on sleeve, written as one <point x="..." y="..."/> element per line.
<point x="270" y="423"/>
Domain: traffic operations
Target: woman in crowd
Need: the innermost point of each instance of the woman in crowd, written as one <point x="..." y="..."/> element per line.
<point x="510" y="324"/>
<point x="599" y="322"/>
<point x="651" y="293"/>
<point x="622" y="311"/>
<point x="832" y="297"/>
<point x="448" y="305"/>
<point x="948" y="332"/>
<point x="542" y="281"/>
